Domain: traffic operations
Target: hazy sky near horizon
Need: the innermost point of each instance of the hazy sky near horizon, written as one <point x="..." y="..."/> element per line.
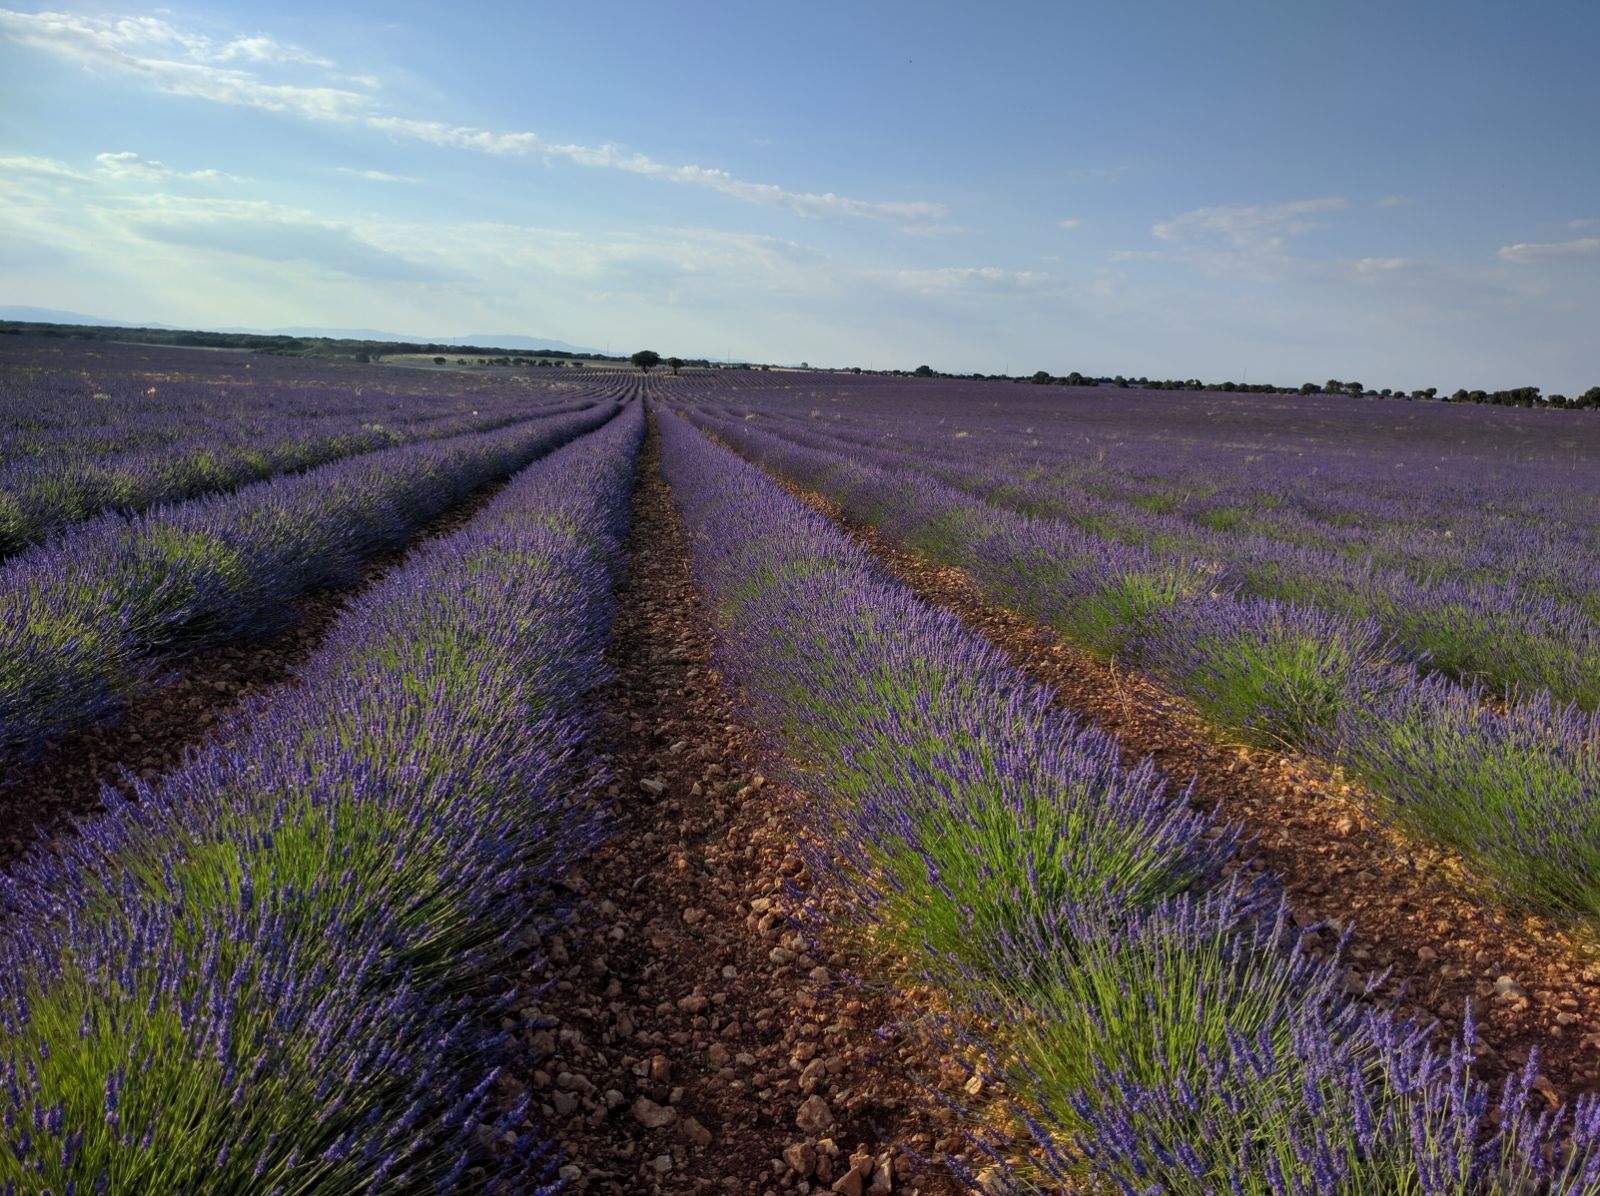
<point x="1403" y="194"/>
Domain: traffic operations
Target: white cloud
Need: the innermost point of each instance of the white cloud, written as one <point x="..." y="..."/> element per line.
<point x="45" y="167"/>
<point x="1256" y="225"/>
<point x="1583" y="224"/>
<point x="949" y="280"/>
<point x="172" y="61"/>
<point x="1385" y="265"/>
<point x="180" y="63"/>
<point x="803" y="203"/>
<point x="1395" y="201"/>
<point x="377" y="176"/>
<point x="1524" y="252"/>
<point x="131" y="166"/>
<point x="1071" y="222"/>
<point x="265" y="49"/>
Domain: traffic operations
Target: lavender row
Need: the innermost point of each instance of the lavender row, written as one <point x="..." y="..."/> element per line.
<point x="87" y="404"/>
<point x="1523" y="620"/>
<point x="87" y="619"/>
<point x="1513" y="788"/>
<point x="1492" y="494"/>
<point x="1161" y="1030"/>
<point x="1536" y="538"/>
<point x="270" y="974"/>
<point x="37" y="500"/>
<point x="81" y="442"/>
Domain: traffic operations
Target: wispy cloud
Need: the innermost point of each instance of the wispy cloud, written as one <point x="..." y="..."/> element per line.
<point x="1255" y="225"/>
<point x="131" y="166"/>
<point x="950" y="280"/>
<point x="181" y="63"/>
<point x="43" y="167"/>
<point x="1524" y="252"/>
<point x="1394" y="201"/>
<point x="265" y="49"/>
<point x="376" y="176"/>
<point x="612" y="157"/>
<point x="1071" y="222"/>
<point x="1586" y="223"/>
<point x="173" y="61"/>
<point x="1385" y="265"/>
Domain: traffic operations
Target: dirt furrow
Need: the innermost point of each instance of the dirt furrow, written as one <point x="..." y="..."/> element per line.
<point x="1411" y="910"/>
<point x="680" y="1035"/>
<point x="40" y="800"/>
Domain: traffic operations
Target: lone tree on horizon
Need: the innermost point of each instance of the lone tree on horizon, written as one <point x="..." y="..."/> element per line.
<point x="675" y="364"/>
<point x="646" y="359"/>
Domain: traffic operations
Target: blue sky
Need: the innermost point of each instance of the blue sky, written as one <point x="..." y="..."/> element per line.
<point x="1405" y="194"/>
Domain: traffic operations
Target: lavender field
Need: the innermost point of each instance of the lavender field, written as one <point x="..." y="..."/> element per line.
<point x="790" y="781"/>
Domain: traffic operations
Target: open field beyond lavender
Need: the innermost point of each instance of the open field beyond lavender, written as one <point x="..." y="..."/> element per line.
<point x="746" y="781"/>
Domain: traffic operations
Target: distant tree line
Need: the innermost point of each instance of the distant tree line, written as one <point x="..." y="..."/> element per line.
<point x="366" y="350"/>
<point x="1521" y="396"/>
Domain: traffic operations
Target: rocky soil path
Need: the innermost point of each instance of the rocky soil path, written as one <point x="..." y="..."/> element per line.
<point x="39" y="800"/>
<point x="680" y="1034"/>
<point x="1411" y="909"/>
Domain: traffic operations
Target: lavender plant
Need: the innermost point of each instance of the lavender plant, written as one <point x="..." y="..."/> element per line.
<point x="1277" y="674"/>
<point x="85" y="619"/>
<point x="1515" y="790"/>
<point x="970" y="837"/>
<point x="267" y="974"/>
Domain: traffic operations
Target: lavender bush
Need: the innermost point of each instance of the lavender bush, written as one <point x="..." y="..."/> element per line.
<point x="970" y="837"/>
<point x="1280" y="674"/>
<point x="267" y="975"/>
<point x="1515" y="790"/>
<point x="85" y="618"/>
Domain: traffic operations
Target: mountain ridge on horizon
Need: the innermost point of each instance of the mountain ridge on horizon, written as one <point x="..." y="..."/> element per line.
<point x="47" y="315"/>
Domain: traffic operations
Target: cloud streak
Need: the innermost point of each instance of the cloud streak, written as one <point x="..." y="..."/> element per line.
<point x="131" y="166"/>
<point x="180" y="63"/>
<point x="1525" y="252"/>
<point x="376" y="176"/>
<point x="43" y="167"/>
<point x="1254" y="225"/>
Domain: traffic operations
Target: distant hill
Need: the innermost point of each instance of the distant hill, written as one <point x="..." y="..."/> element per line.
<point x="50" y="315"/>
<point x="514" y="341"/>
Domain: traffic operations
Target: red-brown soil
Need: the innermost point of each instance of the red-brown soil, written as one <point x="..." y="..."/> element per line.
<point x="680" y="1034"/>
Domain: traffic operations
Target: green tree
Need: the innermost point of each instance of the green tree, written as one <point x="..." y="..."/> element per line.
<point x="676" y="363"/>
<point x="923" y="371"/>
<point x="646" y="359"/>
